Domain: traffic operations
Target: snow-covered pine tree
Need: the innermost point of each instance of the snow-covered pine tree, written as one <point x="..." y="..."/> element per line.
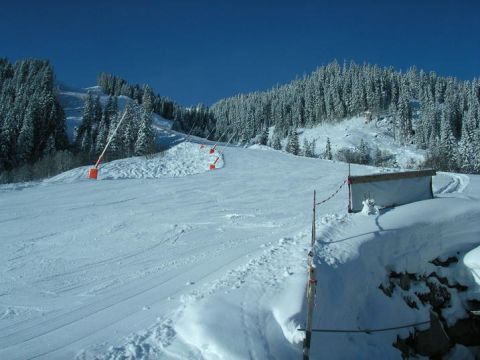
<point x="102" y="134"/>
<point x="49" y="149"/>
<point x="28" y="105"/>
<point x="111" y="108"/>
<point x="403" y="120"/>
<point x="145" y="143"/>
<point x="115" y="149"/>
<point x="147" y="99"/>
<point x="448" y="144"/>
<point x="276" y="144"/>
<point x="264" y="136"/>
<point x="293" y="145"/>
<point x="83" y="141"/>
<point x="97" y="110"/>
<point x="129" y="129"/>
<point x="328" y="150"/>
<point x="476" y="145"/>
<point x="24" y="146"/>
<point x="308" y="150"/>
<point x="466" y="145"/>
<point x="364" y="152"/>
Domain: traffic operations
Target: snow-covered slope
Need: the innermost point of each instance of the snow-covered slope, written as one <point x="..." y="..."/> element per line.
<point x="344" y="134"/>
<point x="349" y="133"/>
<point x="213" y="265"/>
<point x="184" y="159"/>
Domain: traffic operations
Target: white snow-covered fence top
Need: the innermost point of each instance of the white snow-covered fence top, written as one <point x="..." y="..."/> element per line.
<point x="390" y="189"/>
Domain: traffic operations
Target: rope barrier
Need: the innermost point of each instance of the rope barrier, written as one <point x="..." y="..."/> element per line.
<point x="311" y="290"/>
<point x="368" y="331"/>
<point x="335" y="193"/>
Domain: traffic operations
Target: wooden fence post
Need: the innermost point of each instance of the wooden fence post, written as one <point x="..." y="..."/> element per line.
<point x="311" y="288"/>
<point x="313" y="220"/>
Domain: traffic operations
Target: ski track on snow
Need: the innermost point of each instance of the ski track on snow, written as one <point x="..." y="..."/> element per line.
<point x="458" y="183"/>
<point x="239" y="240"/>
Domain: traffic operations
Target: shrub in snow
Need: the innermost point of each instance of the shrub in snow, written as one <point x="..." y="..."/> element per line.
<point x="348" y="155"/>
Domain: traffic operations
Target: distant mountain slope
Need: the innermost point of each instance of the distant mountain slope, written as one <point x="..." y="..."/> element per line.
<point x="73" y="102"/>
<point x="377" y="136"/>
<point x="439" y="114"/>
<point x="434" y="113"/>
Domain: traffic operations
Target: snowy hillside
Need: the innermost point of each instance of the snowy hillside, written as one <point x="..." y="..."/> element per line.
<point x="344" y="134"/>
<point x="73" y="101"/>
<point x="213" y="265"/>
<point x="184" y="159"/>
<point x="349" y="133"/>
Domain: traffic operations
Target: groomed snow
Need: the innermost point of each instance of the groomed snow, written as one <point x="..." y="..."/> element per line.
<point x="184" y="159"/>
<point x="213" y="265"/>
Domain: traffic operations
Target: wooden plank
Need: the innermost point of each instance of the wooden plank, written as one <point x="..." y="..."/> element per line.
<point x="314" y="235"/>
<point x="311" y="289"/>
<point x="390" y="176"/>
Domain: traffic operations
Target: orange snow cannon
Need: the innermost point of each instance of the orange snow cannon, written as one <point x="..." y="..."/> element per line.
<point x="93" y="173"/>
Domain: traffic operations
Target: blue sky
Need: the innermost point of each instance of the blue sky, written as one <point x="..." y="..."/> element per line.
<point x="203" y="50"/>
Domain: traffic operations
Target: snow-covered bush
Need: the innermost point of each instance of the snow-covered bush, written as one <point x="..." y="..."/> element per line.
<point x="369" y="207"/>
<point x="349" y="155"/>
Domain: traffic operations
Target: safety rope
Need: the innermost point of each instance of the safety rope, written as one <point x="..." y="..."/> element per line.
<point x="335" y="193"/>
<point x="368" y="331"/>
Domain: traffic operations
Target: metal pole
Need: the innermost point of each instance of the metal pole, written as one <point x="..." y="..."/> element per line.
<point x="110" y="140"/>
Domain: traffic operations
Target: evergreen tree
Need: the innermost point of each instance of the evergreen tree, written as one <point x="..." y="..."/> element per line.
<point x="102" y="136"/>
<point x="129" y="130"/>
<point x="49" y="147"/>
<point x="29" y="113"/>
<point x="364" y="152"/>
<point x="114" y="151"/>
<point x="329" y="94"/>
<point x="83" y="139"/>
<point x="309" y="148"/>
<point x="145" y="143"/>
<point x="25" y="143"/>
<point x="147" y="99"/>
<point x="448" y="145"/>
<point x="276" y="144"/>
<point x="403" y="120"/>
<point x="264" y="136"/>
<point x="293" y="146"/>
<point x="328" y="150"/>
<point x="97" y="110"/>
